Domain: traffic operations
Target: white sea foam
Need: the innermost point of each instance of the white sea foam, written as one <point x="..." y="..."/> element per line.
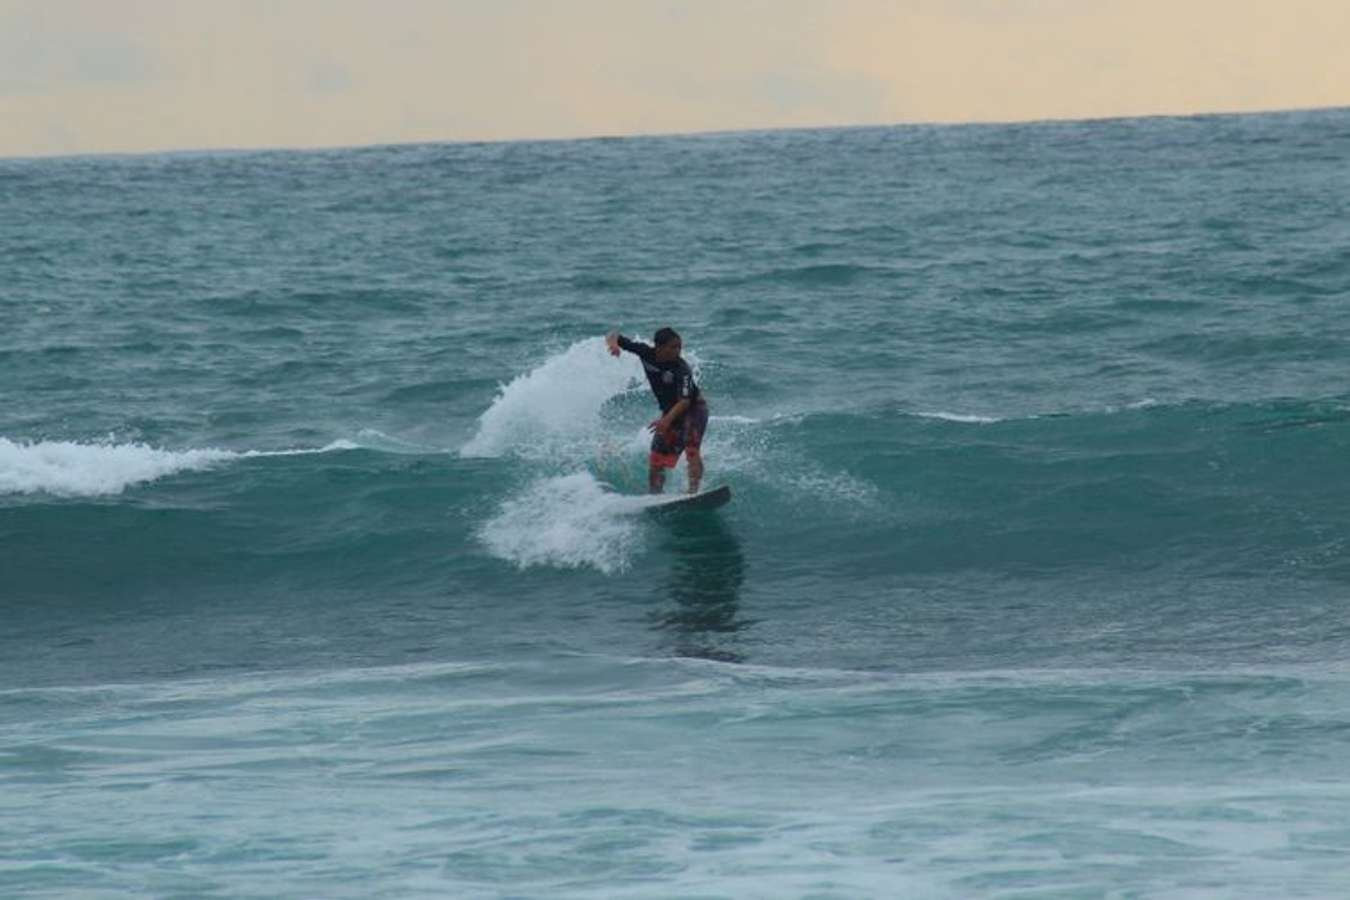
<point x="69" y="469"/>
<point x="963" y="418"/>
<point x="300" y="451"/>
<point x="375" y="439"/>
<point x="571" y="521"/>
<point x="72" y="469"/>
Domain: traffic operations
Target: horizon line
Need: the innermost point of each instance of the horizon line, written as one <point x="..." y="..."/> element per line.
<point x="664" y="135"/>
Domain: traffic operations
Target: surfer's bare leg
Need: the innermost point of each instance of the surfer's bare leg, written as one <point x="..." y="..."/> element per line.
<point x="695" y="469"/>
<point x="662" y="457"/>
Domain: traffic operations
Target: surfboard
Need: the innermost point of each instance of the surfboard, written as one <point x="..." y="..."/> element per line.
<point x="710" y="499"/>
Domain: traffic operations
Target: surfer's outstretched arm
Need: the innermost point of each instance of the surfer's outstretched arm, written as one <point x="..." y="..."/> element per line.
<point x="617" y="343"/>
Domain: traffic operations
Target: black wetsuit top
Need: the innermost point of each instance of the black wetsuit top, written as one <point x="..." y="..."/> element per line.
<point x="671" y="381"/>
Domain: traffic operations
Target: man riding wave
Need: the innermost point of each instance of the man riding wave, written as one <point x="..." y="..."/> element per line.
<point x="684" y="414"/>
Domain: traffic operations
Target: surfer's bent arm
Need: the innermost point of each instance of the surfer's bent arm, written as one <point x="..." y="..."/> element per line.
<point x="667" y="421"/>
<point x="617" y="342"/>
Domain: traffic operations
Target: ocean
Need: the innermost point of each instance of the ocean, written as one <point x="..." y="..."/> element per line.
<point x="323" y="571"/>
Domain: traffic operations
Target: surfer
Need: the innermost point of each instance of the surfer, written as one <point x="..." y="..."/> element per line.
<point x="684" y="414"/>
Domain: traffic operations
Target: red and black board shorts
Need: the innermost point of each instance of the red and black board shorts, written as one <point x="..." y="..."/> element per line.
<point x="685" y="437"/>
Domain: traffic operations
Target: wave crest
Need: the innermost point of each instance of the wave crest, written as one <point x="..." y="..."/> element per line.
<point x="69" y="469"/>
<point x="73" y="469"/>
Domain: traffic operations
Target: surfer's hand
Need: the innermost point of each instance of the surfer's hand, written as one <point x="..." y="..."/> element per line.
<point x="612" y="342"/>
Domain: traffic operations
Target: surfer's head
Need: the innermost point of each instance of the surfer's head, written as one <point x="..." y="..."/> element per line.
<point x="668" y="344"/>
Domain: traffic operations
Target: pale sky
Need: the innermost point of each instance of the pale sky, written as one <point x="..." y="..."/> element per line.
<point x="84" y="76"/>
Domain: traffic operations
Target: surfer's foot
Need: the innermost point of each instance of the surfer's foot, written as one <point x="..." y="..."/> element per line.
<point x="656" y="481"/>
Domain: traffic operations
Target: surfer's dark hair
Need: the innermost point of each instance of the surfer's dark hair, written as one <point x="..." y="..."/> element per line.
<point x="665" y="336"/>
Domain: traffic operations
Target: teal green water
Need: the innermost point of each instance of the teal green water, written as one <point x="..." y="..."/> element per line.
<point x="324" y="573"/>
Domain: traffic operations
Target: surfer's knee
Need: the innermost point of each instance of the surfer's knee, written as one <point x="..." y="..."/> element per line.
<point x="660" y="460"/>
